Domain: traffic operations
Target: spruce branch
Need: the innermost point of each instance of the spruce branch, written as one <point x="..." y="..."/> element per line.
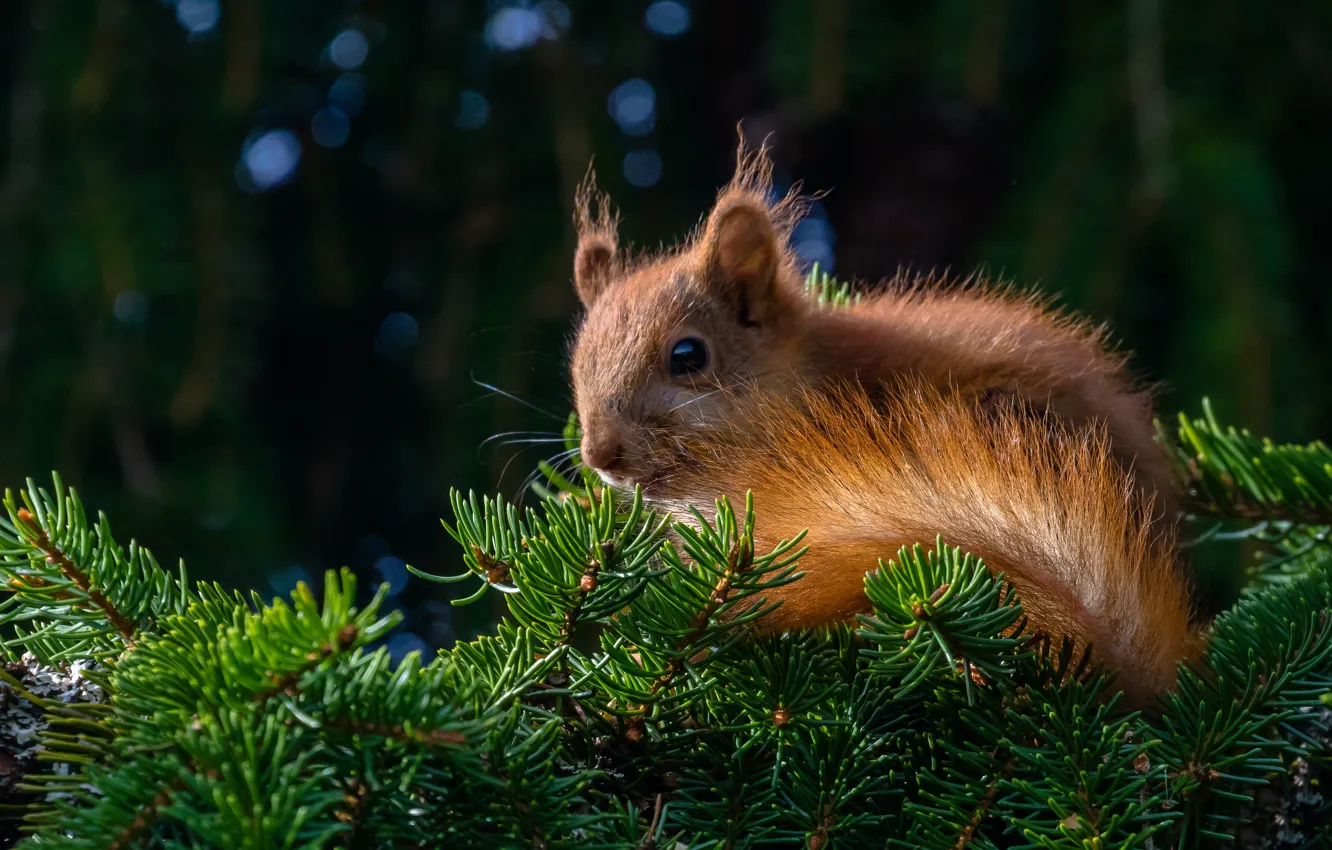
<point x="727" y="793"/>
<point x="984" y="806"/>
<point x="1237" y="475"/>
<point x="689" y="615"/>
<point x="51" y="724"/>
<point x="510" y="665"/>
<point x="565" y="564"/>
<point x="42" y="543"/>
<point x="783" y="682"/>
<point x="940" y="611"/>
<point x="1276" y="495"/>
<point x="286" y="683"/>
<point x="831" y="791"/>
<point x="239" y="722"/>
<point x="739" y="558"/>
<point x="256" y="654"/>
<point x="131" y="834"/>
<point x="957" y="801"/>
<point x="1244" y="716"/>
<point x="351" y="699"/>
<point x="125" y="808"/>
<point x="74" y="592"/>
<point x="1081" y="774"/>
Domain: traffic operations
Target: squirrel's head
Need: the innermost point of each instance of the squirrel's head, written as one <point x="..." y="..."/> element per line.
<point x="671" y="340"/>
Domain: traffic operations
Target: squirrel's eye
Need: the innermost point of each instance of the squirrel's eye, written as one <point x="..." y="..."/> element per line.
<point x="689" y="356"/>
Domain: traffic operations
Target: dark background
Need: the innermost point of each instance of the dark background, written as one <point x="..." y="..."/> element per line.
<point x="253" y="253"/>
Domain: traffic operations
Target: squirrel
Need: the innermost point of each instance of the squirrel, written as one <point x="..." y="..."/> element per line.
<point x="972" y="411"/>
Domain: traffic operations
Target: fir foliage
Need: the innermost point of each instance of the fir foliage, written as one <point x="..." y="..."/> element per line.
<point x="1279" y="496"/>
<point x="627" y="703"/>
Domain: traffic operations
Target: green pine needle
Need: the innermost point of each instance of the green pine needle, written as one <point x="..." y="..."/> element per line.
<point x="632" y="699"/>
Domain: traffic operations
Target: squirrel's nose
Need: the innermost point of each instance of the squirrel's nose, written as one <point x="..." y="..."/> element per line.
<point x="605" y="455"/>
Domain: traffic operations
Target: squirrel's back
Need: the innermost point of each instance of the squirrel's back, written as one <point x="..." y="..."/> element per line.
<point x="988" y="339"/>
<point x="1041" y="502"/>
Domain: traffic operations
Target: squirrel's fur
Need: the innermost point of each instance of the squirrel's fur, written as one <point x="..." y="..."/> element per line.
<point x="1035" y="447"/>
<point x="1039" y="501"/>
<point x="736" y="284"/>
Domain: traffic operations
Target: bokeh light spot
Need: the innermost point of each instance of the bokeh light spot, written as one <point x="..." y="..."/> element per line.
<point x="271" y="157"/>
<point x="392" y="570"/>
<point x="667" y="17"/>
<point x="473" y="110"/>
<point x="198" y="16"/>
<point x="403" y="643"/>
<point x="642" y="168"/>
<point x="284" y="580"/>
<point x="216" y="520"/>
<point x="440" y="617"/>
<point x="555" y="18"/>
<point x="130" y="307"/>
<point x="813" y="240"/>
<point x="633" y="105"/>
<point x="513" y="28"/>
<point x="330" y="127"/>
<point x="397" y="334"/>
<point x="348" y="94"/>
<point x="372" y="546"/>
<point x="348" y="49"/>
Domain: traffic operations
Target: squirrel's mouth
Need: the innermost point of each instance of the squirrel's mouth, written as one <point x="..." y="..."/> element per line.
<point x="647" y="481"/>
<point x="616" y="481"/>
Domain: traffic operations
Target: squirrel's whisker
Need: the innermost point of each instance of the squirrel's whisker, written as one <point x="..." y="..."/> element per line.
<point x="524" y="402"/>
<point x="544" y="436"/>
<point x="502" y="434"/>
<point x="533" y="441"/>
<point x="556" y="460"/>
<point x="694" y="400"/>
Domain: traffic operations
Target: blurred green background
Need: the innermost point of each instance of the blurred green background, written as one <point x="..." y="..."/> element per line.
<point x="258" y="257"/>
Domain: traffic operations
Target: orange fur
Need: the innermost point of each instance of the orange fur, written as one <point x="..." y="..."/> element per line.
<point x="765" y="332"/>
<point x="979" y="338"/>
<point x="1022" y="438"/>
<point x="1041" y="502"/>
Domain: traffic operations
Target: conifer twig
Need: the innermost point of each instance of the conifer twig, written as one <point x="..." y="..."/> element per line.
<point x="286" y="684"/>
<point x="129" y="836"/>
<point x="55" y="556"/>
<point x="739" y="559"/>
<point x="586" y="584"/>
<point x="983" y="808"/>
<point x="430" y="737"/>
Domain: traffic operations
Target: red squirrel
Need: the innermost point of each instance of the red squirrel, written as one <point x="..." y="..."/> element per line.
<point x="969" y="411"/>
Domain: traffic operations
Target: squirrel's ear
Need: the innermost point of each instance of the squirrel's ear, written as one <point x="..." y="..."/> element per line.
<point x="742" y="253"/>
<point x="594" y="264"/>
<point x="594" y="260"/>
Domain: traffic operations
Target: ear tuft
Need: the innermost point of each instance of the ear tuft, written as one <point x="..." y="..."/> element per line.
<point x="744" y="241"/>
<point x="596" y="225"/>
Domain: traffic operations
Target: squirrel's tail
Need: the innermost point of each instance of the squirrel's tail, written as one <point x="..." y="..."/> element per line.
<point x="1042" y="503"/>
